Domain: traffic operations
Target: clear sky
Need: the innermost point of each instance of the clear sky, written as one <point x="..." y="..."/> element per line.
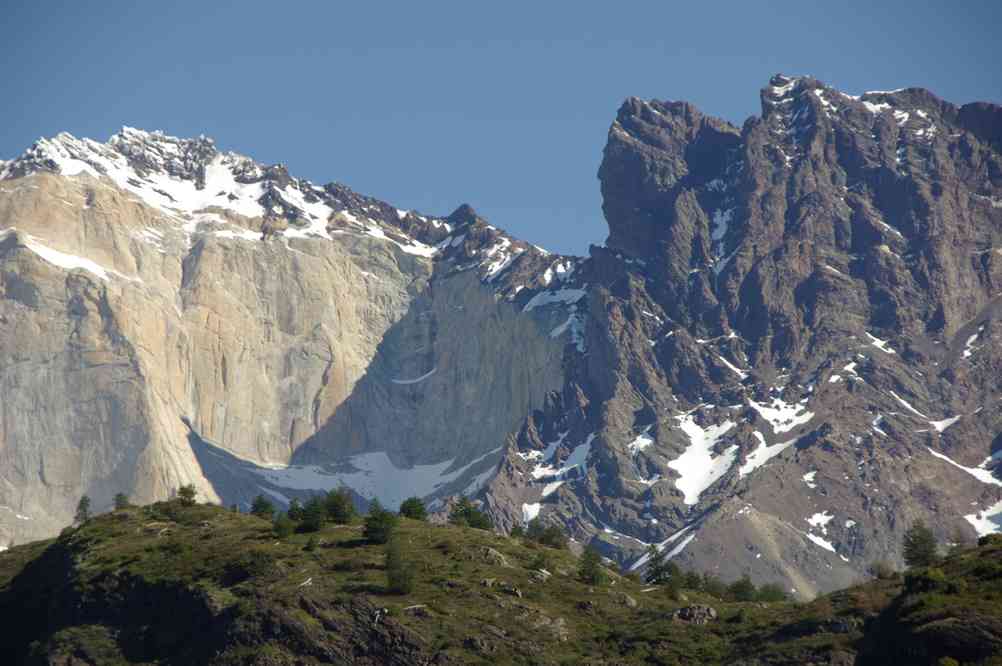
<point x="503" y="105"/>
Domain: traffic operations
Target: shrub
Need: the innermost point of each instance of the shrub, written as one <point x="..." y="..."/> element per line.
<point x="83" y="510"/>
<point x="262" y="508"/>
<point x="927" y="580"/>
<point x="399" y="574"/>
<point x="590" y="568"/>
<point x="919" y="546"/>
<point x="540" y="561"/>
<point x="517" y="532"/>
<point x="990" y="539"/>
<point x="713" y="586"/>
<point x="413" y="508"/>
<point x="771" y="592"/>
<point x="186" y="494"/>
<point x="692" y="581"/>
<point x="314" y="516"/>
<point x="379" y="524"/>
<point x="742" y="589"/>
<point x="340" y="506"/>
<point x="296" y="510"/>
<point x="121" y="501"/>
<point x="882" y="570"/>
<point x="548" y="535"/>
<point x="466" y="514"/>
<point x="283" y="526"/>
<point x="311" y="544"/>
<point x="252" y="564"/>
<point x="659" y="568"/>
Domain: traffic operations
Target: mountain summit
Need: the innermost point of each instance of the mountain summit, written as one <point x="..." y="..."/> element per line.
<point x="786" y="352"/>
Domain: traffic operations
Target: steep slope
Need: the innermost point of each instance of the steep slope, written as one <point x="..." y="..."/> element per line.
<point x="171" y="313"/>
<point x="793" y="345"/>
<point x="172" y="585"/>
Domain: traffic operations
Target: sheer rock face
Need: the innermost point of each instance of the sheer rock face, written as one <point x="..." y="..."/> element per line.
<point x="155" y="333"/>
<point x="786" y="352"/>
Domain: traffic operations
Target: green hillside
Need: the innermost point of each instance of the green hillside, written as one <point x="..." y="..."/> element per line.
<point x="169" y="584"/>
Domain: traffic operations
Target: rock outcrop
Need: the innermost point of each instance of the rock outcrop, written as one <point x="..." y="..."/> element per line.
<point x="792" y="349"/>
<point x="786" y="352"/>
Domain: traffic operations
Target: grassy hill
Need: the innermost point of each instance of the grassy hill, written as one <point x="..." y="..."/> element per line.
<point x="168" y="584"/>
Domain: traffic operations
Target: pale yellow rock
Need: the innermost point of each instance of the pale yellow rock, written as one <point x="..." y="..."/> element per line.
<point x="260" y="345"/>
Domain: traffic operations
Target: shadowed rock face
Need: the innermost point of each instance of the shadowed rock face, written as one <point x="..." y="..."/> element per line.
<point x="785" y="353"/>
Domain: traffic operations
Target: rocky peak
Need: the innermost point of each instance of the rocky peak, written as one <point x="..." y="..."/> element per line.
<point x="156" y="152"/>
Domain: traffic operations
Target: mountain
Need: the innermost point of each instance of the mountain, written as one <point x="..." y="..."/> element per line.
<point x="785" y="353"/>
<point x="169" y="584"/>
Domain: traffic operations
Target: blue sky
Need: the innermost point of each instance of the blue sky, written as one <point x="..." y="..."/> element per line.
<point x="427" y="105"/>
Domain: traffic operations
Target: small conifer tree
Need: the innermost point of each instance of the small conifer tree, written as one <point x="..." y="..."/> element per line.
<point x="340" y="506"/>
<point x="121" y="501"/>
<point x="742" y="589"/>
<point x="262" y="508"/>
<point x="590" y="569"/>
<point x="413" y="508"/>
<point x="465" y="513"/>
<point x="295" y="510"/>
<point x="314" y="515"/>
<point x="379" y="524"/>
<point x="186" y="494"/>
<point x="919" y="546"/>
<point x="399" y="575"/>
<point x="83" y="510"/>
<point x="283" y="526"/>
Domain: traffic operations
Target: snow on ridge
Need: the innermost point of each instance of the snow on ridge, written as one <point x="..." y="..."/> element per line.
<point x="809" y="479"/>
<point x="698" y="467"/>
<point x="980" y="473"/>
<point x="179" y="197"/>
<point x="530" y="511"/>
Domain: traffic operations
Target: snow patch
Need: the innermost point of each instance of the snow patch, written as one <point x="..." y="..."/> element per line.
<point x="907" y="405"/>
<point x="980" y="473"/>
<point x="809" y="479"/>
<point x="562" y="296"/>
<point x="988" y="521"/>
<point x="373" y="475"/>
<point x="641" y="442"/>
<point x="969" y="345"/>
<point x="416" y="379"/>
<point x="878" y="343"/>
<point x="940" y="426"/>
<point x="762" y="454"/>
<point x="783" y="416"/>
<point x="698" y="466"/>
